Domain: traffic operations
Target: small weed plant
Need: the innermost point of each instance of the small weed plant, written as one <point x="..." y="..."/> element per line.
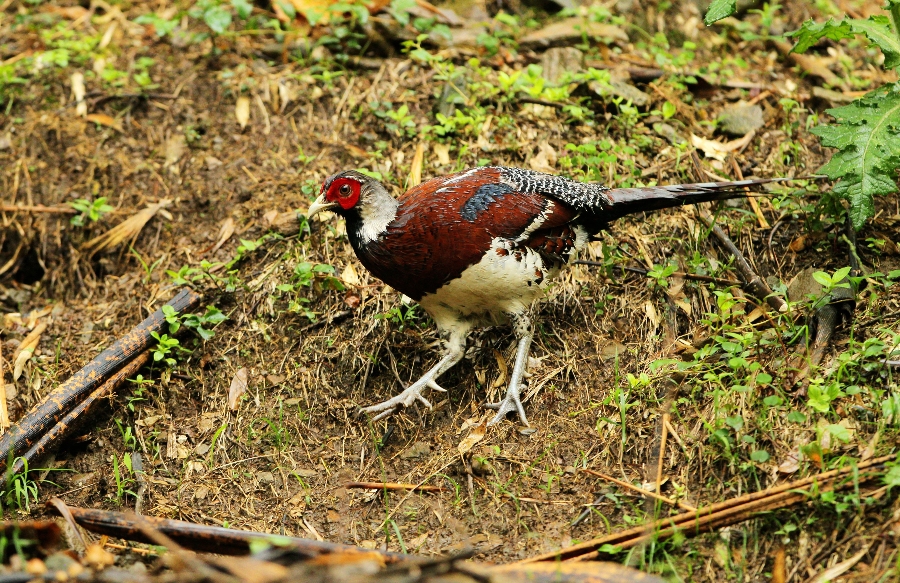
<point x="866" y="133"/>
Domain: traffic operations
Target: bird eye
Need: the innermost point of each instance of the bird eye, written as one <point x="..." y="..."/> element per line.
<point x="345" y="190"/>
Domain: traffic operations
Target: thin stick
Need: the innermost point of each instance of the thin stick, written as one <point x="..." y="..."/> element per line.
<point x="753" y="283"/>
<point x="4" y="409"/>
<point x="662" y="455"/>
<point x="726" y="512"/>
<point x="673" y="433"/>
<point x="393" y="486"/>
<point x="37" y="208"/>
<point x="641" y="491"/>
<point x="760" y="217"/>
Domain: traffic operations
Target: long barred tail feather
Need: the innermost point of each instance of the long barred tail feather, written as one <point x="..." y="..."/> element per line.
<point x="625" y="201"/>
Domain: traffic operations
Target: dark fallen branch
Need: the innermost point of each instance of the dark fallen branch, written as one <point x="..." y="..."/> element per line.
<point x="64" y="427"/>
<point x="752" y="282"/>
<point x="27" y="433"/>
<point x="208" y="539"/>
<point x="296" y="559"/>
<point x="725" y="513"/>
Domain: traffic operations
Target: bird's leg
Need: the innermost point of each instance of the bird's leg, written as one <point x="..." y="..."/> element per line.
<point x="454" y="348"/>
<point x="511" y="402"/>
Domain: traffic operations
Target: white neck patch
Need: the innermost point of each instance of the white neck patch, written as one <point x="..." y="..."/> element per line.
<point x="376" y="218"/>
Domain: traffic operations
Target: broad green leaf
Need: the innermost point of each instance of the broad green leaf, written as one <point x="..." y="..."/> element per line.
<point x="839" y="432"/>
<point x="243" y="8"/>
<point x="217" y="18"/>
<point x="719" y="9"/>
<point x="867" y="136"/>
<point x="760" y="456"/>
<point x="822" y="278"/>
<point x="876" y="28"/>
<point x="892" y="477"/>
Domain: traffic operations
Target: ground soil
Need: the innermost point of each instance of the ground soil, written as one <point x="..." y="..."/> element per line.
<point x="314" y="354"/>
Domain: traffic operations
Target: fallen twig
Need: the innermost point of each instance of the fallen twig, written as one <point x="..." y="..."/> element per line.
<point x="202" y="538"/>
<point x="721" y="514"/>
<point x="57" y="404"/>
<point x="36" y="208"/>
<point x="393" y="486"/>
<point x="753" y="283"/>
<point x="641" y="491"/>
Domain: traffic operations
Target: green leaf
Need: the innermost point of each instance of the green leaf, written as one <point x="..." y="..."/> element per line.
<point x="760" y="456"/>
<point x="796" y="417"/>
<point x="839" y="432"/>
<point x="217" y="18"/>
<point x="867" y="136"/>
<point x="892" y="477"/>
<point x="719" y="9"/>
<point x="735" y="422"/>
<point x="877" y="29"/>
<point x="243" y="8"/>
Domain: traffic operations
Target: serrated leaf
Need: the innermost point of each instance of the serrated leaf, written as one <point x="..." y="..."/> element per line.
<point x="867" y="135"/>
<point x="719" y="9"/>
<point x="217" y="18"/>
<point x="876" y="28"/>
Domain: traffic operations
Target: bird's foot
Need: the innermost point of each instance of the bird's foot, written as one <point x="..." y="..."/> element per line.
<point x="510" y="402"/>
<point x="404" y="399"/>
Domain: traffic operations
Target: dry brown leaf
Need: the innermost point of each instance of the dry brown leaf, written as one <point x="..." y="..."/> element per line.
<point x="127" y="229"/>
<point x="719" y="150"/>
<point x="104" y="120"/>
<point x="225" y="233"/>
<point x="107" y="36"/>
<point x="242" y="111"/>
<point x="501" y="365"/>
<point x="78" y="93"/>
<point x="238" y="388"/>
<point x="270" y="216"/>
<point x="68" y="12"/>
<point x="442" y="151"/>
<point x="415" y="168"/>
<point x="791" y="462"/>
<point x="545" y="159"/>
<point x="176" y="146"/>
<point x="832" y="573"/>
<point x="474" y="436"/>
<point x="19" y="364"/>
<point x="350" y="276"/>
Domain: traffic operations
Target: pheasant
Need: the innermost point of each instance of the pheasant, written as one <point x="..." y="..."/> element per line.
<point x="478" y="247"/>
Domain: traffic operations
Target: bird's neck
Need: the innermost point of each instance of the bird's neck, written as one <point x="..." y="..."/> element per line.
<point x="371" y="220"/>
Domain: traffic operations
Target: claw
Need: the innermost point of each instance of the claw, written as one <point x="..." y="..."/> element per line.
<point x="510" y="402"/>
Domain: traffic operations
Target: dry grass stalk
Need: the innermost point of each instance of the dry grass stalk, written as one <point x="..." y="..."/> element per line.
<point x="393" y="486"/>
<point x="36" y="208"/>
<point x="127" y="229"/>
<point x="4" y="409"/>
<point x="720" y="514"/>
<point x="642" y="492"/>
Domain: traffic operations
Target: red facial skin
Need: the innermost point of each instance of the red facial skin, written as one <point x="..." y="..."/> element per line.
<point x="344" y="191"/>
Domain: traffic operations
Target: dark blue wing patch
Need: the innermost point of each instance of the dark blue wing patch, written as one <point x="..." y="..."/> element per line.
<point x="482" y="199"/>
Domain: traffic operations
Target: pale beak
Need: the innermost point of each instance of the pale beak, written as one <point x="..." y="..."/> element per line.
<point x="319" y="205"/>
